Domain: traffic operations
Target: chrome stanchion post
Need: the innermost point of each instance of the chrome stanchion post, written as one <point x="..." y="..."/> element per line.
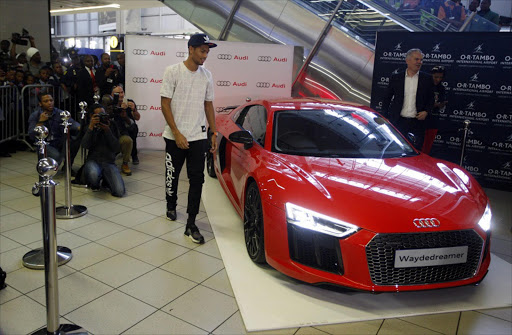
<point x="83" y="106"/>
<point x="47" y="168"/>
<point x="34" y="259"/>
<point x="466" y="130"/>
<point x="68" y="211"/>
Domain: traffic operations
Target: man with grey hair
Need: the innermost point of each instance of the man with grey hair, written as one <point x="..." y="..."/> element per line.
<point x="409" y="99"/>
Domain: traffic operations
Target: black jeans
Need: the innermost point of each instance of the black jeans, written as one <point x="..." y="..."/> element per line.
<point x="174" y="159"/>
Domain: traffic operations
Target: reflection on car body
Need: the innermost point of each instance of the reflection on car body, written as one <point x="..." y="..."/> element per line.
<point x="330" y="192"/>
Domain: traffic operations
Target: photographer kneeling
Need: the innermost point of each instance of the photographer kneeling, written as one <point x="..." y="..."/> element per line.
<point x="125" y="114"/>
<point x="102" y="141"/>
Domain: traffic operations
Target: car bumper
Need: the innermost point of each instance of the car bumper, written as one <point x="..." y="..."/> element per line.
<point x="365" y="260"/>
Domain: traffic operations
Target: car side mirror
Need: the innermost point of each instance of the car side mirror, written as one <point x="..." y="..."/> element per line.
<point x="242" y="136"/>
<point x="411" y="137"/>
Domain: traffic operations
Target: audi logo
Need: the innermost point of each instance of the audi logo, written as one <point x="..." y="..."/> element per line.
<point x="181" y="54"/>
<point x="224" y="56"/>
<point x="140" y="52"/>
<point x="142" y="107"/>
<point x="140" y="80"/>
<point x="264" y="58"/>
<point x="219" y="109"/>
<point x="143" y="134"/>
<point x="223" y="83"/>
<point x="426" y="223"/>
<point x="262" y="85"/>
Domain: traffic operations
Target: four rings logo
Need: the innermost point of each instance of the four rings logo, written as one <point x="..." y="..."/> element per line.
<point x="264" y="58"/>
<point x="262" y="85"/>
<point x="142" y="107"/>
<point x="181" y="54"/>
<point x="426" y="223"/>
<point x="223" y="83"/>
<point x="140" y="52"/>
<point x="224" y="56"/>
<point x="142" y="134"/>
<point x="140" y="80"/>
<point x="219" y="109"/>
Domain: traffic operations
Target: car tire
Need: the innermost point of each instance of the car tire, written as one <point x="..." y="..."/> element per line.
<point x="253" y="225"/>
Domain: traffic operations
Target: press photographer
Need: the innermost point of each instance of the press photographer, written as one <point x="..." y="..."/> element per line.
<point x="125" y="114"/>
<point x="102" y="141"/>
<point x="107" y="75"/>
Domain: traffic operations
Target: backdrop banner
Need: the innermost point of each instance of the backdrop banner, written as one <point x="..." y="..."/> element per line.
<point x="240" y="70"/>
<point x="478" y="87"/>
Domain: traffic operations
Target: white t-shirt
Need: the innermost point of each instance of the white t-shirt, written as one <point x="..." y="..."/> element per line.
<point x="410" y="89"/>
<point x="188" y="91"/>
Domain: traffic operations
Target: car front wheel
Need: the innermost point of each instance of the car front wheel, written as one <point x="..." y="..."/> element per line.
<point x="253" y="225"/>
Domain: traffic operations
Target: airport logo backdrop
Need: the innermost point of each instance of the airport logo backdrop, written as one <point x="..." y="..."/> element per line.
<point x="478" y="89"/>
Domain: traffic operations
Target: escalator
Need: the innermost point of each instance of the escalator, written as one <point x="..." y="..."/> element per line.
<point x="335" y="39"/>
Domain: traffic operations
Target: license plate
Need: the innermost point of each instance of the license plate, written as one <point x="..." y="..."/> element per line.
<point x="430" y="257"/>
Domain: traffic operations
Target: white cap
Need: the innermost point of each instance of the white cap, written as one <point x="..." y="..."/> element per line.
<point x="31" y="52"/>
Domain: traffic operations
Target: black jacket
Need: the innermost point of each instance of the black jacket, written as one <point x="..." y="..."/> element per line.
<point x="102" y="146"/>
<point x="85" y="89"/>
<point x="394" y="99"/>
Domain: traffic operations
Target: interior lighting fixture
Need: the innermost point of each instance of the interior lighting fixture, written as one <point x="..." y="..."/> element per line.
<point x="114" y="5"/>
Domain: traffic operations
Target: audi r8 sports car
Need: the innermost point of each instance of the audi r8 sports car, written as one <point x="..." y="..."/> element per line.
<point x="330" y="192"/>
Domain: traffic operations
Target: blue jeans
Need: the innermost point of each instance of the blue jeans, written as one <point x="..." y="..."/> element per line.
<point x="94" y="172"/>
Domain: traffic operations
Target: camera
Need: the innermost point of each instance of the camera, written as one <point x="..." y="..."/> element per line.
<point x="20" y="39"/>
<point x="118" y="110"/>
<point x="104" y="117"/>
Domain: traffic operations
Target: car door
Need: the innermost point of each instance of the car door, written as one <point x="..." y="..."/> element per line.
<point x="254" y="120"/>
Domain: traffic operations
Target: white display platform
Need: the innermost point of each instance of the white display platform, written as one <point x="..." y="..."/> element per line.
<point x="270" y="300"/>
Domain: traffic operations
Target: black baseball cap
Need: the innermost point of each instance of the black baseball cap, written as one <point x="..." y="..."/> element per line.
<point x="200" y="39"/>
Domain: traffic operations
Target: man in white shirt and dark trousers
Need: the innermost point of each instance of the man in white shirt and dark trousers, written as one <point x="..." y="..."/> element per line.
<point x="410" y="98"/>
<point x="187" y="102"/>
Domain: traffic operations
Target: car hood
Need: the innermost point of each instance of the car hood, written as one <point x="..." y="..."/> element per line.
<point x="383" y="195"/>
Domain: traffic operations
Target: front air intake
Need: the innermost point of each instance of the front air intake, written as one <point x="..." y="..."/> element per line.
<point x="316" y="250"/>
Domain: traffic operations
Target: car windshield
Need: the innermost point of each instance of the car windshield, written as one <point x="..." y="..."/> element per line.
<point x="346" y="133"/>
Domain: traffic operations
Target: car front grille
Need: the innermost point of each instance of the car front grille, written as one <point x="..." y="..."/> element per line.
<point x="315" y="249"/>
<point x="380" y="253"/>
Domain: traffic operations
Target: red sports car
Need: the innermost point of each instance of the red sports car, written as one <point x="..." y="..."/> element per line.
<point x="331" y="193"/>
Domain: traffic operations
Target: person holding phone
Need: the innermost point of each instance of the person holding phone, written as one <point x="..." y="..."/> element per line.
<point x="47" y="115"/>
<point x="102" y="141"/>
<point x="107" y="75"/>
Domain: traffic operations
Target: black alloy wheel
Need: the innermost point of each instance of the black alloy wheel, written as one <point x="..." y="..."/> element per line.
<point x="253" y="225"/>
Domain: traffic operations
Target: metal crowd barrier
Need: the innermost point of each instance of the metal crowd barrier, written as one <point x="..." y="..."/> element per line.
<point x="9" y="113"/>
<point x="16" y="107"/>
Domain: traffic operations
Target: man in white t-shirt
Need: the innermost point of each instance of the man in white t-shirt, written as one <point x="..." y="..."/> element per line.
<point x="187" y="102"/>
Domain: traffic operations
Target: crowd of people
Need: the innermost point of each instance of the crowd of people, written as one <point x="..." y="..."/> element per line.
<point x="110" y="128"/>
<point x="450" y="11"/>
<point x="54" y="87"/>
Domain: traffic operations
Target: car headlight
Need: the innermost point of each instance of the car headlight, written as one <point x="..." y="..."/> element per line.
<point x="308" y="219"/>
<point x="485" y="220"/>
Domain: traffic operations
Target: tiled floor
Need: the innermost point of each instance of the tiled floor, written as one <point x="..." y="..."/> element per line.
<point x="133" y="272"/>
